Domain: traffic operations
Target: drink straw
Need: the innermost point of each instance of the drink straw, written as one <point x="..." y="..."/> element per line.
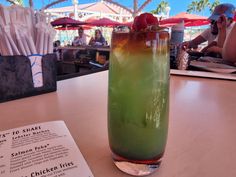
<point x="8" y="45"/>
<point x="6" y="15"/>
<point x="49" y="19"/>
<point x="12" y="43"/>
<point x="28" y="21"/>
<point x="2" y="14"/>
<point x="36" y="37"/>
<point x="23" y="39"/>
<point x="1" y="11"/>
<point x="31" y="45"/>
<point x="41" y="43"/>
<point x="13" y="16"/>
<point x="45" y="41"/>
<point x="3" y="49"/>
<point x="29" y="31"/>
<point x="5" y="20"/>
<point x="37" y="40"/>
<point x="52" y="34"/>
<point x="40" y="38"/>
<point x="37" y="18"/>
<point x="33" y="23"/>
<point x="43" y="18"/>
<point x="20" y="44"/>
<point x="12" y="33"/>
<point x="1" y="20"/>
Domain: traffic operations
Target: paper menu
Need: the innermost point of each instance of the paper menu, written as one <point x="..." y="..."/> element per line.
<point x="41" y="150"/>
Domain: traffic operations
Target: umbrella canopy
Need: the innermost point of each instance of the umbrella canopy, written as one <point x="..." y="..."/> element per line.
<point x="189" y="20"/>
<point x="103" y="22"/>
<point x="196" y="23"/>
<point x="65" y="21"/>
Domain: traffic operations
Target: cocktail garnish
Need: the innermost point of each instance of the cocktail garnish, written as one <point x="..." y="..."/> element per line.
<point x="145" y="21"/>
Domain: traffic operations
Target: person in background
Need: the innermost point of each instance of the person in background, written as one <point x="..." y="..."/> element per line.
<point x="211" y="34"/>
<point x="57" y="51"/>
<point x="56" y="43"/>
<point x="206" y="36"/>
<point x="228" y="51"/>
<point x="80" y="39"/>
<point x="98" y="39"/>
<point x="223" y="15"/>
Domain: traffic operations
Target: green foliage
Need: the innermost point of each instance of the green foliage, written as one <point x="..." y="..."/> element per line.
<point x="18" y="2"/>
<point x="161" y="7"/>
<point x="198" y="6"/>
<point x="213" y="5"/>
<point x="193" y="7"/>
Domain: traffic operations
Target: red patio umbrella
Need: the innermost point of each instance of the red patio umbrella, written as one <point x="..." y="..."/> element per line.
<point x="196" y="23"/>
<point x="103" y="22"/>
<point x="189" y="20"/>
<point x="65" y="21"/>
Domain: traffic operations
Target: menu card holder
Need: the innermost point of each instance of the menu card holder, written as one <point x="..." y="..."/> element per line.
<point x="16" y="77"/>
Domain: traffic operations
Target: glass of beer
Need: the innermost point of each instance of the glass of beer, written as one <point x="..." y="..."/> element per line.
<point x="138" y="99"/>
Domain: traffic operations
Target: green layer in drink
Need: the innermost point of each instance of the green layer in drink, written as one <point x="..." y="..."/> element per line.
<point x="138" y="103"/>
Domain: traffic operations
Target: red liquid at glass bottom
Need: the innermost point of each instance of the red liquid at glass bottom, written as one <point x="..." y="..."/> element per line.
<point x="137" y="167"/>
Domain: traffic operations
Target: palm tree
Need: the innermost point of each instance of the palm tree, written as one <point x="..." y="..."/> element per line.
<point x="213" y="5"/>
<point x="201" y="5"/>
<point x="17" y="2"/>
<point x="161" y="7"/>
<point x="193" y="7"/>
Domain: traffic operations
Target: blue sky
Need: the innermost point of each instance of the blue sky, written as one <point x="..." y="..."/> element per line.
<point x="176" y="5"/>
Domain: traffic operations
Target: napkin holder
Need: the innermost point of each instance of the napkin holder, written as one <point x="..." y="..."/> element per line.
<point x="16" y="77"/>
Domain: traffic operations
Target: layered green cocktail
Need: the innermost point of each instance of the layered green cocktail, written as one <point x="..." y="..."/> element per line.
<point x="138" y="99"/>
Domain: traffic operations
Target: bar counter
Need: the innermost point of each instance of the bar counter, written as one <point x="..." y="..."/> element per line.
<point x="202" y="125"/>
<point x="87" y="47"/>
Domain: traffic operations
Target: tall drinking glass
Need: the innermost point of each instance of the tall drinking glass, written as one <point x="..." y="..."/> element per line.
<point x="138" y="99"/>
